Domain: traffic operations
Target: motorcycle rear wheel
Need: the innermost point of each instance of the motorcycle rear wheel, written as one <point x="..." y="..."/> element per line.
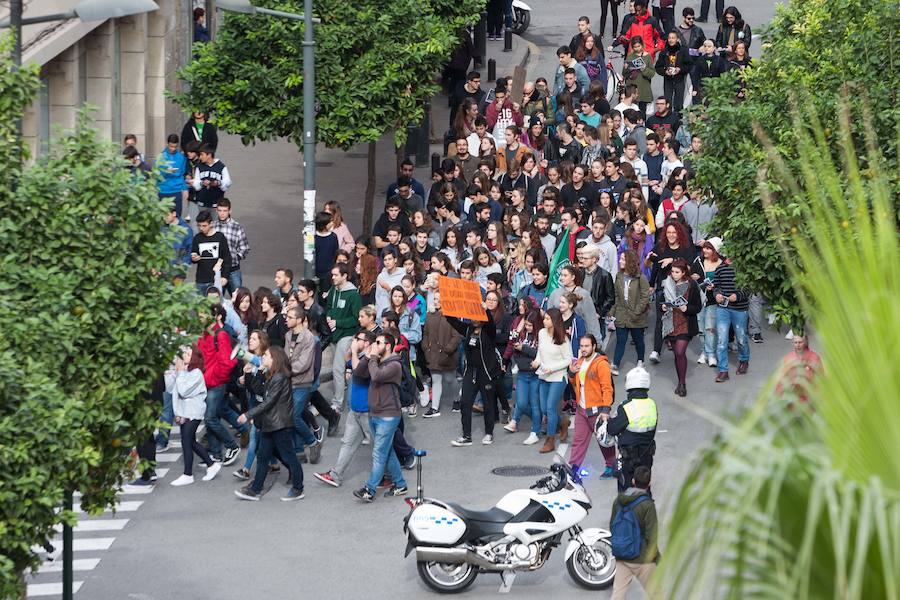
<point x="593" y="577"/>
<point x="447" y="578"/>
<point x="521" y="20"/>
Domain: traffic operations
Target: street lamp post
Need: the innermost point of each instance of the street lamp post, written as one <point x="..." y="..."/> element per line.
<point x="309" y="115"/>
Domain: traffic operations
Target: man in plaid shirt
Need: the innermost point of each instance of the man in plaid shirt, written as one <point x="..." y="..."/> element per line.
<point x="237" y="243"/>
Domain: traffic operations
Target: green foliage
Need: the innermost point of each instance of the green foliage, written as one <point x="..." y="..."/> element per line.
<point x="85" y="326"/>
<point x="796" y="503"/>
<point x="812" y="49"/>
<point x="375" y="67"/>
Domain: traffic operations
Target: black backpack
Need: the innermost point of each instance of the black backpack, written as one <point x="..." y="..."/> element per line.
<point x="408" y="387"/>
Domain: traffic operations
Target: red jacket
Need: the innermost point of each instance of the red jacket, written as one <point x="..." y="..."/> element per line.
<point x="645" y="26"/>
<point x="217" y="363"/>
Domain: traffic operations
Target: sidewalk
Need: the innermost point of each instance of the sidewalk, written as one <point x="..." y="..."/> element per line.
<point x="267" y="193"/>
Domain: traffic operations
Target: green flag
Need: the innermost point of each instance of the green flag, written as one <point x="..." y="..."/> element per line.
<point x="560" y="259"/>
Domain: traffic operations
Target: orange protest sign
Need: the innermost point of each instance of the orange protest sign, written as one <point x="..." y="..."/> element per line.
<point x="461" y="299"/>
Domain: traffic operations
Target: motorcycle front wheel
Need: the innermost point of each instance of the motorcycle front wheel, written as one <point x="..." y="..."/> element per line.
<point x="590" y="574"/>
<point x="447" y="578"/>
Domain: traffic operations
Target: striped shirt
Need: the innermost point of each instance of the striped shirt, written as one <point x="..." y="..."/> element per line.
<point x="723" y="283"/>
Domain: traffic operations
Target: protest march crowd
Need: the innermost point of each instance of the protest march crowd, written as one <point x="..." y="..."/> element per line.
<point x="573" y="219"/>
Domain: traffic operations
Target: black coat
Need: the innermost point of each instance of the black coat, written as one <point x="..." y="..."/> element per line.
<point x="706" y="67"/>
<point x="674" y="56"/>
<point x="276" y="408"/>
<point x="481" y="348"/>
<point x="210" y="135"/>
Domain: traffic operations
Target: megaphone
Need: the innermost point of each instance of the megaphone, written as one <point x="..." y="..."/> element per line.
<point x="241" y="353"/>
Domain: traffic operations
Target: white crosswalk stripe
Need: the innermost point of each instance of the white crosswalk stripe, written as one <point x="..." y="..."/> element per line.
<point x="49" y="589"/>
<point x="89" y="531"/>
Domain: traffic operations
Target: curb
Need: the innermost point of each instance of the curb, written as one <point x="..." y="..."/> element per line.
<point x="532" y="51"/>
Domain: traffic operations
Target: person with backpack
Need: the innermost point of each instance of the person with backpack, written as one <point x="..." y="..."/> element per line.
<point x="594" y="395"/>
<point x="635" y="425"/>
<point x="385" y="372"/>
<point x="635" y="532"/>
<point x="215" y="346"/>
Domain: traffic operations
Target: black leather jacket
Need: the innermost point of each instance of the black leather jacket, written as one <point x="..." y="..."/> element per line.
<point x="603" y="291"/>
<point x="275" y="411"/>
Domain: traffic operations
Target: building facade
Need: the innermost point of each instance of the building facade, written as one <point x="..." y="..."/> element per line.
<point x="120" y="66"/>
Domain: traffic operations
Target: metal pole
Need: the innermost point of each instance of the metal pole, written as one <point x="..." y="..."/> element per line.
<point x="15" y="22"/>
<point x="67" y="549"/>
<point x="309" y="138"/>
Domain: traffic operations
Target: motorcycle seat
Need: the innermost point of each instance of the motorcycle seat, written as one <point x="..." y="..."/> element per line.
<point x="491" y="515"/>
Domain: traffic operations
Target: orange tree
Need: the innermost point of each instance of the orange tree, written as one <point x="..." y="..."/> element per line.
<point x="85" y="325"/>
<point x="812" y="50"/>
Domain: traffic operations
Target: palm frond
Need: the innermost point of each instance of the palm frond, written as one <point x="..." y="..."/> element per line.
<point x="806" y="503"/>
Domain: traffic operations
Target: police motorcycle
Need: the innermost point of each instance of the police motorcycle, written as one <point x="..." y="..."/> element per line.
<point x="454" y="544"/>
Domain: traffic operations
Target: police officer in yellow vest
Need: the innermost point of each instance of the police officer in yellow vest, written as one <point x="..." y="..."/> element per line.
<point x="635" y="425"/>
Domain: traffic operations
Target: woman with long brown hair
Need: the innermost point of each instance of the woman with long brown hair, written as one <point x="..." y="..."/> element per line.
<point x="629" y="313"/>
<point x="243" y="306"/>
<point x="339" y="227"/>
<point x="680" y="306"/>
<point x="464" y="120"/>
<point x="365" y="266"/>
<point x="554" y="356"/>
<point x="257" y="343"/>
<point x="274" y="417"/>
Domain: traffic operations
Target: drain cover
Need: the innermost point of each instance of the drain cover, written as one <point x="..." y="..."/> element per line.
<point x="520" y="471"/>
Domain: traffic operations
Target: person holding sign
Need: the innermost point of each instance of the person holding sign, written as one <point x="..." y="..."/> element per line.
<point x="464" y="310"/>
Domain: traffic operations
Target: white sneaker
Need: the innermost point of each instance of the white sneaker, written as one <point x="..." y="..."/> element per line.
<point x="702" y="359"/>
<point x="212" y="471"/>
<point x="184" y="480"/>
<point x="487" y="440"/>
<point x="614" y="369"/>
<point x="531" y="439"/>
<point x="511" y="426"/>
<point x="654" y="357"/>
<point x="790" y="334"/>
<point x="640" y="363"/>
<point x="712" y="361"/>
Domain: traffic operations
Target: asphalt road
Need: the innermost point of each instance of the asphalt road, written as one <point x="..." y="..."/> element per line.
<point x="201" y="542"/>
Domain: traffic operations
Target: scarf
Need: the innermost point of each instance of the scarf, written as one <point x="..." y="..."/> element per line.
<point x="671" y="292"/>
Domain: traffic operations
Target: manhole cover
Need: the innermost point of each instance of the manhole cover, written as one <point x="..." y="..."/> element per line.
<point x="520" y="471"/>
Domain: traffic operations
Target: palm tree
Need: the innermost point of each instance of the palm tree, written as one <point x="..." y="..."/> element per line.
<point x="803" y="500"/>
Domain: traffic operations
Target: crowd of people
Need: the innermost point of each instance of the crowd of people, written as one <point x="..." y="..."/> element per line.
<point x="579" y="221"/>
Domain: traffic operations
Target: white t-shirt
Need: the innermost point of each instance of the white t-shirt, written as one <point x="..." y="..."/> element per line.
<point x="668" y="167"/>
<point x="642" y="172"/>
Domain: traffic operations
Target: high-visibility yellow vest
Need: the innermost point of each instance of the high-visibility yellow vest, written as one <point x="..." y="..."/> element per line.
<point x="641" y="414"/>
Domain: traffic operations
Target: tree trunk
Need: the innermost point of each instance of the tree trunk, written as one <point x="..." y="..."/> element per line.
<point x="369" y="205"/>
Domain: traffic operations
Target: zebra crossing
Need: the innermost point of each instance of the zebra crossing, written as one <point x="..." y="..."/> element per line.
<point x="94" y="535"/>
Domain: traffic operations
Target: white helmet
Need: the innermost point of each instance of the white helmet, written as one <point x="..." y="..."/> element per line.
<point x="603" y="438"/>
<point x="637" y="379"/>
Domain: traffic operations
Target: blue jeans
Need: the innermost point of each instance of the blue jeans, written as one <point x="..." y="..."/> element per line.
<point x="302" y="435"/>
<point x="725" y="319"/>
<point x="203" y="287"/>
<point x="707" y="322"/>
<point x="383" y="452"/>
<point x="234" y="281"/>
<point x="622" y="339"/>
<point x="167" y="416"/>
<point x="551" y="393"/>
<point x="218" y="434"/>
<point x="528" y="399"/>
<point x="508" y="13"/>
